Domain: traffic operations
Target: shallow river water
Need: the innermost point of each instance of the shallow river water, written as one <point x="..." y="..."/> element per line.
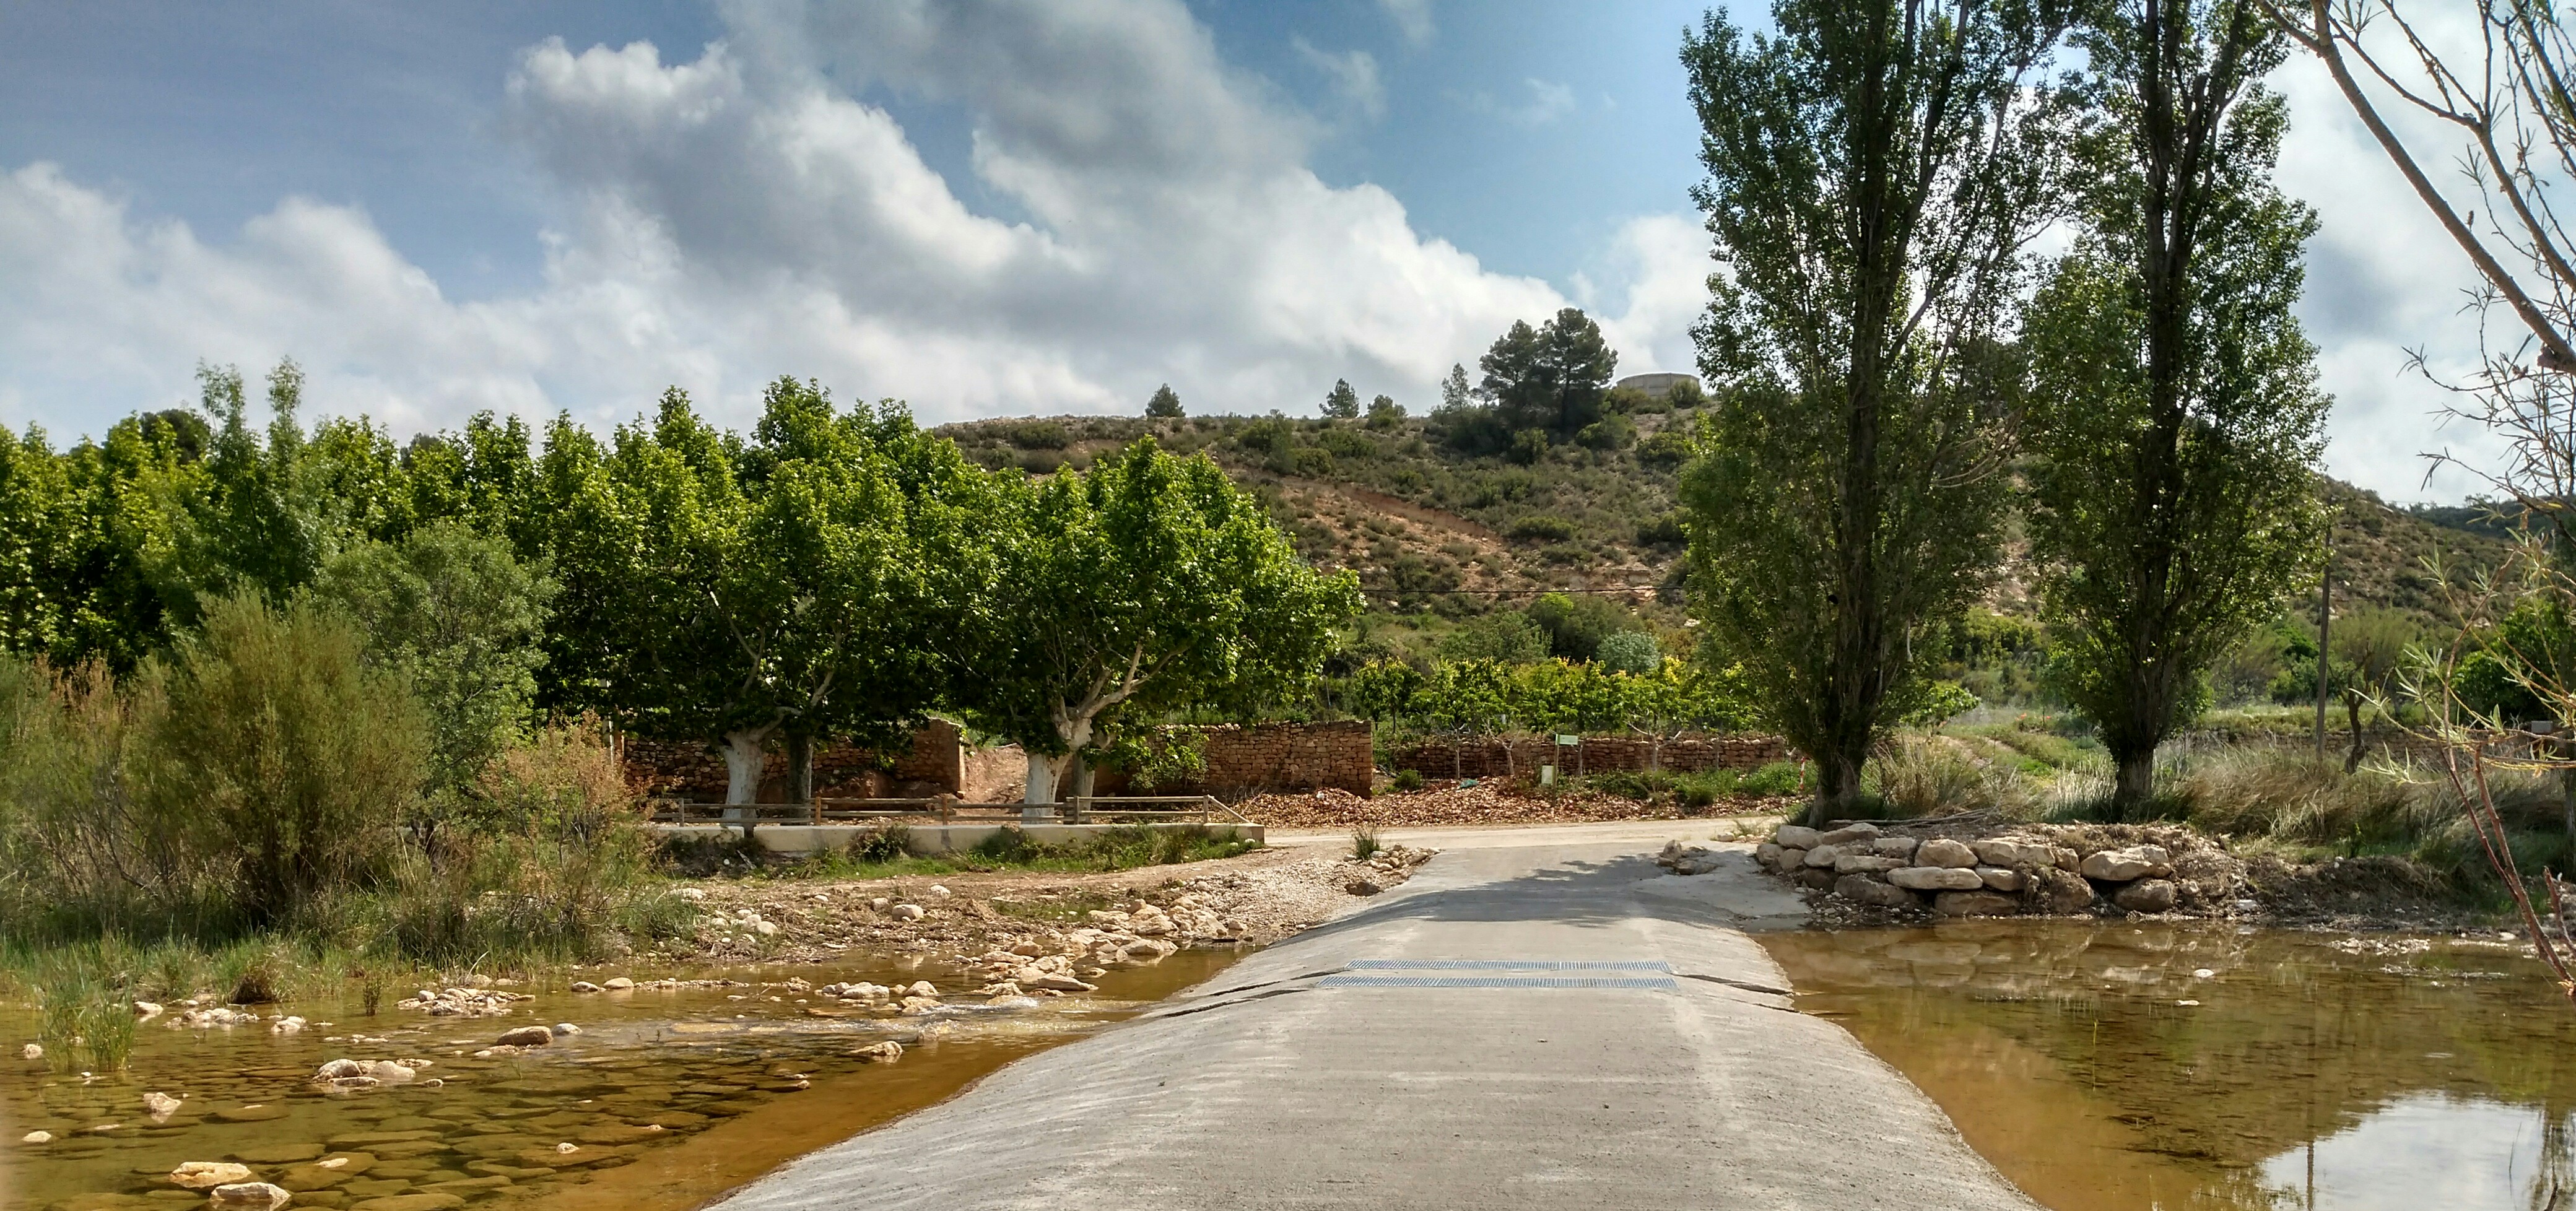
<point x="2112" y="1067"/>
<point x="667" y="1097"/>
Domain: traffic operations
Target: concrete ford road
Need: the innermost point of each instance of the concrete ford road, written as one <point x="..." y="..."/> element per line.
<point x="1516" y="1026"/>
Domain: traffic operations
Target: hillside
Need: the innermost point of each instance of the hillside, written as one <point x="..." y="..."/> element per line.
<point x="1433" y="531"/>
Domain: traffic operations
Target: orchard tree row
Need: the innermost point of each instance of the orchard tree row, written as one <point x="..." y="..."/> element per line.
<point x="835" y="573"/>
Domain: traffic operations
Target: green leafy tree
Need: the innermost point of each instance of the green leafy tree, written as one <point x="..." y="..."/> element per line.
<point x="1166" y="404"/>
<point x="1505" y="636"/>
<point x="1147" y="584"/>
<point x="739" y="591"/>
<point x="463" y="622"/>
<point x="2175" y="421"/>
<point x="1385" y="413"/>
<point x="1341" y="403"/>
<point x="1629" y="652"/>
<point x="1873" y="171"/>
<point x="1552" y="377"/>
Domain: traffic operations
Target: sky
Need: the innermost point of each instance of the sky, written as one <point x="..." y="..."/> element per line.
<point x="983" y="207"/>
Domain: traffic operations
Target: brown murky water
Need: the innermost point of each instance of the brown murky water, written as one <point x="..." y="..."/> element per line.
<point x="2116" y="1067"/>
<point x="735" y="1086"/>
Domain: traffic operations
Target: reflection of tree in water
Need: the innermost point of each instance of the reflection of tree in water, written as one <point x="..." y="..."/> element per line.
<point x="2553" y="1185"/>
<point x="2293" y="1041"/>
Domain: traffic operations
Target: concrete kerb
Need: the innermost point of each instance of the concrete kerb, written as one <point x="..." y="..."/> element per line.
<point x="926" y="840"/>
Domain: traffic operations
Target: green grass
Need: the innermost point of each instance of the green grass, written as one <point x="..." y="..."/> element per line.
<point x="1123" y="848"/>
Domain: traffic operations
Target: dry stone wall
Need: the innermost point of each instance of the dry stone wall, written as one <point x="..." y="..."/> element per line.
<point x="1499" y="758"/>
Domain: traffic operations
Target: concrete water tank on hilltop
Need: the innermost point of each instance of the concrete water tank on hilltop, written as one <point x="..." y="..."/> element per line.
<point x="1659" y="384"/>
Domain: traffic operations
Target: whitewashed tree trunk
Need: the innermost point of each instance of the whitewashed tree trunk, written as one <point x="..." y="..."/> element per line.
<point x="1041" y="781"/>
<point x="745" y="755"/>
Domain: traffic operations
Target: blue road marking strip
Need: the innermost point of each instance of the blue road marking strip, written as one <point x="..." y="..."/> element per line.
<point x="1507" y="965"/>
<point x="1643" y="983"/>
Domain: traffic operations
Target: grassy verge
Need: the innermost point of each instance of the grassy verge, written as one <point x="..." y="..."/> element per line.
<point x="881" y="855"/>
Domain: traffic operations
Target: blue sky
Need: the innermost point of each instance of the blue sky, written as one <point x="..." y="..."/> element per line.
<point x="983" y="206"/>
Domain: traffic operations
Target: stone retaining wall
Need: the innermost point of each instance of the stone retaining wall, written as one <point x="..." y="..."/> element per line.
<point x="933" y="764"/>
<point x="1498" y="758"/>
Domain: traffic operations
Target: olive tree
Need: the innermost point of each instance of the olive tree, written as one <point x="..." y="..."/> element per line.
<point x="1147" y="584"/>
<point x="1874" y="170"/>
<point x="2175" y="421"/>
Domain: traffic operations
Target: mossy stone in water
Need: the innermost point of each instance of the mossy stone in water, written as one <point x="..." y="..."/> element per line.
<point x="277" y="1154"/>
<point x="252" y="1114"/>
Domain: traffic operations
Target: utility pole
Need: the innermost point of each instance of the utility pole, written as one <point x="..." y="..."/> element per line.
<point x="2325" y="617"/>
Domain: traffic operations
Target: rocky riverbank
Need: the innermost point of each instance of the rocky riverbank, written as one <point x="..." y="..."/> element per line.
<point x="1249" y="900"/>
<point x="1979" y="866"/>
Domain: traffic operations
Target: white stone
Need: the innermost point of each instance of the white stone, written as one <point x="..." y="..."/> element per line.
<point x="941" y="892"/>
<point x="921" y="988"/>
<point x="247" y="1194"/>
<point x="146" y="1009"/>
<point x="2000" y="878"/>
<point x="1862" y="831"/>
<point x="1865" y="864"/>
<point x="1894" y="847"/>
<point x="1791" y="860"/>
<point x="525" y="1036"/>
<point x="1767" y="855"/>
<point x="206" y="1175"/>
<point x="2118" y="865"/>
<point x="1793" y="836"/>
<point x="1936" y="878"/>
<point x="563" y="1029"/>
<point x="31" y="1052"/>
<point x="1942" y="851"/>
<point x="620" y="984"/>
<point x="1824" y="855"/>
<point x="37" y="1137"/>
<point x="584" y="986"/>
<point x="691" y="893"/>
<point x="160" y="1105"/>
<point x="908" y="912"/>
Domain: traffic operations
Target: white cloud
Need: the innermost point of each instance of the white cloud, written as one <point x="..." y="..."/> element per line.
<point x="1353" y="75"/>
<point x="1412" y="19"/>
<point x="1547" y="101"/>
<point x="742" y="214"/>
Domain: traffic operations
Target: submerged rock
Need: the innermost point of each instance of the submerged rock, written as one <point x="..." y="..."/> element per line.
<point x="525" y="1036"/>
<point x="206" y="1175"/>
<point x="886" y="1052"/>
<point x="160" y="1106"/>
<point x="248" y="1194"/>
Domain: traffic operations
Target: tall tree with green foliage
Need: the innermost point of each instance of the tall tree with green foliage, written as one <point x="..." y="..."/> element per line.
<point x="798" y="584"/>
<point x="2175" y="421"/>
<point x="1147" y="584"/>
<point x="1551" y="377"/>
<point x="1341" y="403"/>
<point x="1166" y="404"/>
<point x="1874" y="169"/>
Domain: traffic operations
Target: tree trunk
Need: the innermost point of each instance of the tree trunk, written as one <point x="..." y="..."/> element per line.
<point x="2352" y="711"/>
<point x="2136" y="784"/>
<point x="1077" y="783"/>
<point x="746" y="751"/>
<point x="1041" y="781"/>
<point x="1837" y="786"/>
<point x="800" y="767"/>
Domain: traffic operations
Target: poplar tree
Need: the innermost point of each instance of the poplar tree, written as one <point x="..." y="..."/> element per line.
<point x="1874" y="169"/>
<point x="2175" y="419"/>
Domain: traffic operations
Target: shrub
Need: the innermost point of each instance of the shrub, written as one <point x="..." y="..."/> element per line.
<point x="1406" y="780"/>
<point x="1364" y="843"/>
<point x="285" y="751"/>
<point x="1528" y="448"/>
<point x="1036" y="434"/>
<point x="1542" y="527"/>
<point x="1777" y="778"/>
<point x="1665" y="448"/>
<point x="1629" y="652"/>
